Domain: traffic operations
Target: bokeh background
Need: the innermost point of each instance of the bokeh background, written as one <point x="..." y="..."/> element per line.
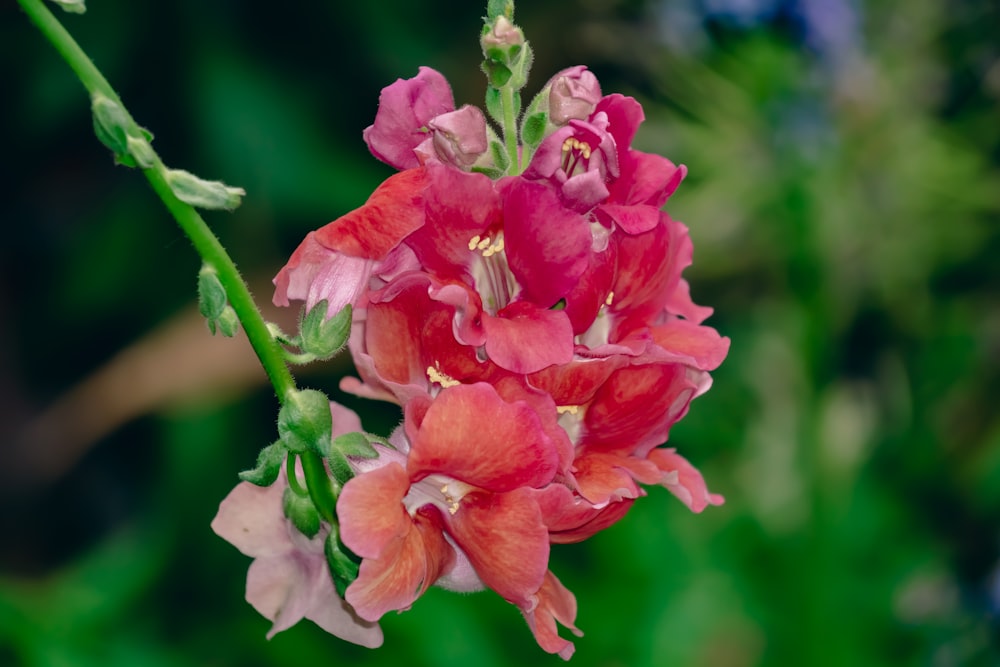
<point x="844" y="201"/>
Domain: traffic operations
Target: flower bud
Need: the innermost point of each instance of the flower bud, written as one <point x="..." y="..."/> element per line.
<point x="502" y="35"/>
<point x="324" y="337"/>
<point x="110" y="123"/>
<point x="72" y="6"/>
<point x="301" y="512"/>
<point x="459" y="136"/>
<point x="201" y="193"/>
<point x="573" y="93"/>
<point x="304" y="422"/>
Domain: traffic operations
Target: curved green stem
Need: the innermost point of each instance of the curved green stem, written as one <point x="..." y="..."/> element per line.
<point x="206" y="244"/>
<point x="189" y="220"/>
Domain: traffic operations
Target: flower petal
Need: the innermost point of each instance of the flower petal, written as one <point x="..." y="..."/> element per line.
<point x="553" y="602"/>
<point x="524" y="338"/>
<point x="471" y="434"/>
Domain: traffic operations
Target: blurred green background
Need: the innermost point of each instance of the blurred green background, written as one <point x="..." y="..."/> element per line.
<point x="844" y="201"/>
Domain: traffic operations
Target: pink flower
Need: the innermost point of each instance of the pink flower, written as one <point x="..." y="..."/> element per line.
<point x="289" y="578"/>
<point x="405" y="109"/>
<point x="465" y="494"/>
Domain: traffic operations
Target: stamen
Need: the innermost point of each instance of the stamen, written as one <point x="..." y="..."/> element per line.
<point x="434" y="375"/>
<point x="610" y="299"/>
<point x="564" y="409"/>
<point x="473" y="242"/>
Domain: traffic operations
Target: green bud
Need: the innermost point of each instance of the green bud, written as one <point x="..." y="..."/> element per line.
<point x="324" y="337"/>
<point x="201" y="193"/>
<point x="304" y="422"/>
<point x="211" y="294"/>
<point x="268" y="465"/>
<point x="141" y="152"/>
<point x="110" y="123"/>
<point x="71" y="6"/>
<point x="301" y="512"/>
<point x="229" y="322"/>
<point x="343" y="564"/>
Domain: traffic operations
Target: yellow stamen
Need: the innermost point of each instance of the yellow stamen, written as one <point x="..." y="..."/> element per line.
<point x="434" y="375"/>
<point x="610" y="299"/>
<point x="473" y="242"/>
<point x="571" y="409"/>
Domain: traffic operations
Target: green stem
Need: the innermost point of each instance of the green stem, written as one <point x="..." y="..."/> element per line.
<point x="320" y="486"/>
<point x="510" y="128"/>
<point x="206" y="244"/>
<point x="190" y="221"/>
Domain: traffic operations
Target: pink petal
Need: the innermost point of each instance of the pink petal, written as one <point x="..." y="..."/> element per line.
<point x="524" y="338"/>
<point x="551" y="603"/>
<point x="470" y="434"/>
<point x="371" y="512"/>
<point x="505" y="540"/>
<point x="683" y="480"/>
<point x="547" y="244"/>
<point x="405" y="109"/>
<point x="394" y="210"/>
<point x="314" y="272"/>
<point x="250" y="518"/>
<point x="696" y="344"/>
<point x="410" y="565"/>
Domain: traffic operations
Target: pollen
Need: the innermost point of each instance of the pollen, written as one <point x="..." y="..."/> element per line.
<point x="567" y="409"/>
<point x="452" y="503"/>
<point x="474" y="241"/>
<point x="610" y="299"/>
<point x="434" y="375"/>
<point x="574" y="144"/>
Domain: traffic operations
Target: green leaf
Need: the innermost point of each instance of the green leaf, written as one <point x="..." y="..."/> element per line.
<point x="494" y="105"/>
<point x="301" y="512"/>
<point x="340" y="469"/>
<point x="497" y="74"/>
<point x="354" y="444"/>
<point x="533" y="129"/>
<point x="499" y="156"/>
<point x="304" y="422"/>
<point x="268" y="465"/>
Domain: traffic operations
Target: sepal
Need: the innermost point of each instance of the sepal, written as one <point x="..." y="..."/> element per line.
<point x="343" y="564"/>
<point x="269" y="463"/>
<point x="72" y="6"/>
<point x="323" y="337"/>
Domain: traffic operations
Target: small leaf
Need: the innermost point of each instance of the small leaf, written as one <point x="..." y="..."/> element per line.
<point x="302" y="513"/>
<point x="268" y="465"/>
<point x="533" y="130"/>
<point x="340" y="469"/>
<point x="494" y="106"/>
<point x="141" y="152"/>
<point x="499" y="156"/>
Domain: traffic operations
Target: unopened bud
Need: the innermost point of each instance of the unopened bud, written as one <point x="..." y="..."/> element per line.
<point x="460" y="136"/>
<point x="305" y="423"/>
<point x="201" y="193"/>
<point x="573" y="93"/>
<point x="110" y="123"/>
<point x="71" y="6"/>
<point x="301" y="512"/>
<point x="324" y="337"/>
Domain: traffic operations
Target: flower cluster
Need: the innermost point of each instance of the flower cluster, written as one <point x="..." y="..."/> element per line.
<point x="529" y="316"/>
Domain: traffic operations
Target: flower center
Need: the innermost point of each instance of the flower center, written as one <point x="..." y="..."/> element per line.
<point x="443" y="492"/>
<point x="576" y="155"/>
<point x="490" y="272"/>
